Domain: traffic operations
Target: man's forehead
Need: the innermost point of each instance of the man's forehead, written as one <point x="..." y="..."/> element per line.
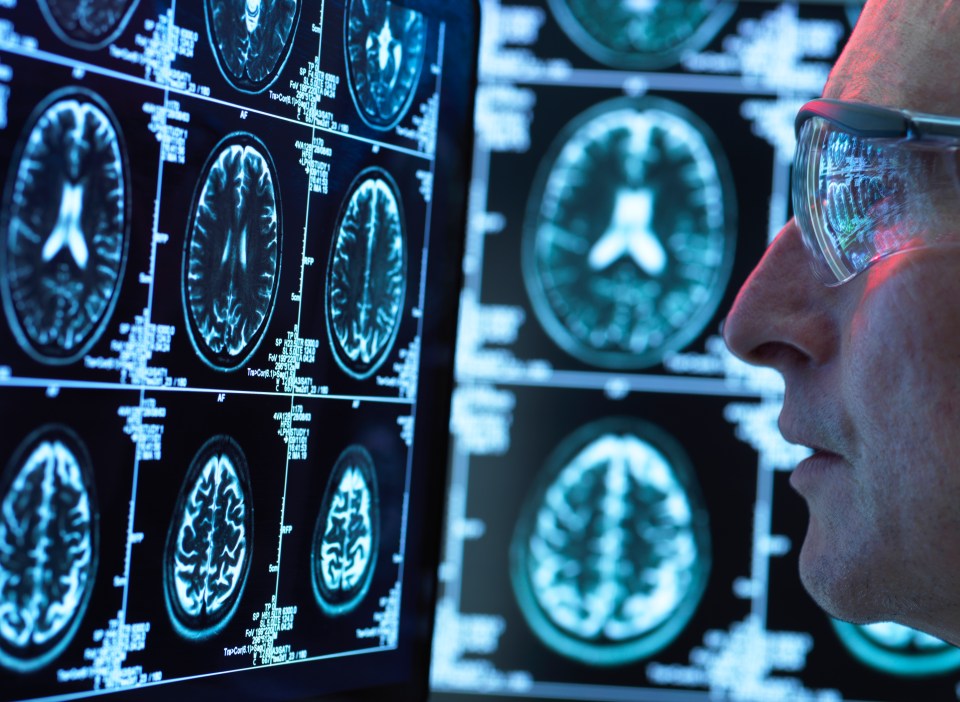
<point x="902" y="53"/>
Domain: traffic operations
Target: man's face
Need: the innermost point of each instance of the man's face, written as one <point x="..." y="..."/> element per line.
<point x="872" y="368"/>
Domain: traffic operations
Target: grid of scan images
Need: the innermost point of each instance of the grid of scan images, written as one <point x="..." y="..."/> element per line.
<point x="213" y="235"/>
<point x="620" y="524"/>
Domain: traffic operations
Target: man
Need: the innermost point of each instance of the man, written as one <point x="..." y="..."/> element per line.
<point x="872" y="364"/>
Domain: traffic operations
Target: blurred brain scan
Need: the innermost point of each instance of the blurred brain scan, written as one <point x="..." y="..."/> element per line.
<point x="65" y="227"/>
<point x="385" y="50"/>
<point x="629" y="235"/>
<point x="251" y="39"/>
<point x="641" y="34"/>
<point x="231" y="260"/>
<point x="611" y="553"/>
<point x="49" y="541"/>
<point x="347" y="534"/>
<point x="207" y="556"/>
<point x="853" y="12"/>
<point x="88" y="24"/>
<point x="367" y="275"/>
<point x="898" y="650"/>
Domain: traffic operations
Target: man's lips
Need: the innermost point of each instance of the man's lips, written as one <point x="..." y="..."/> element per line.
<point x="814" y="469"/>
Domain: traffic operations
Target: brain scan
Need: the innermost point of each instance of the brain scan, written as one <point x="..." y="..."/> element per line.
<point x="65" y="227"/>
<point x="367" y="275"/>
<point x="251" y="39"/>
<point x="611" y="553"/>
<point x="208" y="548"/>
<point x="49" y="542"/>
<point x="644" y="34"/>
<point x="385" y="46"/>
<point x="629" y="235"/>
<point x="231" y="259"/>
<point x="88" y="24"/>
<point x="898" y="650"/>
<point x="347" y="534"/>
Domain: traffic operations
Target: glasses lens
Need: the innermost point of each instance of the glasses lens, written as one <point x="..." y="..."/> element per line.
<point x="857" y="200"/>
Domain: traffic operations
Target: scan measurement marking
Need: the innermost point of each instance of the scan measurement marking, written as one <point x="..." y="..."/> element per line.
<point x="293" y="393"/>
<point x="108" y="73"/>
<point x="61" y="384"/>
<point x="201" y="676"/>
<point x="438" y="68"/>
<point x="666" y="82"/>
<point x="148" y="313"/>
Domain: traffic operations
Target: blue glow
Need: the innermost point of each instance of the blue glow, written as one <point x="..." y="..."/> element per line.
<point x="65" y="227"/>
<point x="611" y="553"/>
<point x="251" y="39"/>
<point x="85" y="24"/>
<point x="209" y="545"/>
<point x="347" y="534"/>
<point x="367" y="275"/>
<point x="385" y="51"/>
<point x="231" y="264"/>
<point x="48" y="548"/>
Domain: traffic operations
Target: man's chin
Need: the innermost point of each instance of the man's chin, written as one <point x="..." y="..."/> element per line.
<point x="839" y="587"/>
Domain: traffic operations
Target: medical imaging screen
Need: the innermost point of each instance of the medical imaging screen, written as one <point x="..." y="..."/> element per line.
<point x="619" y="524"/>
<point x="230" y="238"/>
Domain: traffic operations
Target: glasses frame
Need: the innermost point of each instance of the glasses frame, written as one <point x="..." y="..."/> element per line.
<point x="875" y="122"/>
<point x="869" y="122"/>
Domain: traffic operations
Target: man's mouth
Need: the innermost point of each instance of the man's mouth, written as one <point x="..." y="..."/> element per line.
<point x="813" y="470"/>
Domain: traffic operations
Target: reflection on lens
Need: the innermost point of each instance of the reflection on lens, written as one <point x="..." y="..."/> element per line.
<point x="66" y="227"/>
<point x="209" y="543"/>
<point x="629" y="234"/>
<point x="49" y="544"/>
<point x="88" y="24"/>
<point x="643" y="34"/>
<point x="251" y="39"/>
<point x="231" y="259"/>
<point x="611" y="553"/>
<point x="385" y="45"/>
<point x="367" y="275"/>
<point x="898" y="650"/>
<point x="346" y="537"/>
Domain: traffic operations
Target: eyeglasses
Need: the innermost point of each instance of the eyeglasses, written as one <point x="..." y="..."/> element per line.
<point x="871" y="181"/>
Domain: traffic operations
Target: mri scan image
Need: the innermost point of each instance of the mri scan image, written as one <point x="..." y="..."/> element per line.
<point x="251" y="39"/>
<point x="641" y="34"/>
<point x="367" y="275"/>
<point x="88" y="24"/>
<point x="629" y="236"/>
<point x="207" y="556"/>
<point x="347" y="534"/>
<point x="231" y="259"/>
<point x="898" y="650"/>
<point x="385" y="45"/>
<point x="65" y="227"/>
<point x="49" y="541"/>
<point x="611" y="553"/>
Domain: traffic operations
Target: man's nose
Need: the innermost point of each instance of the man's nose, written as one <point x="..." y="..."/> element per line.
<point x="782" y="314"/>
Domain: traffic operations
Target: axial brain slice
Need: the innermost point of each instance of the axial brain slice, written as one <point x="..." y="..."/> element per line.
<point x="367" y="277"/>
<point x="610" y="564"/>
<point x="385" y="52"/>
<point x="347" y="532"/>
<point x="641" y="33"/>
<point x="208" y="556"/>
<point x="232" y="256"/>
<point x="88" y="23"/>
<point x="251" y="38"/>
<point x="48" y="550"/>
<point x="66" y="230"/>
